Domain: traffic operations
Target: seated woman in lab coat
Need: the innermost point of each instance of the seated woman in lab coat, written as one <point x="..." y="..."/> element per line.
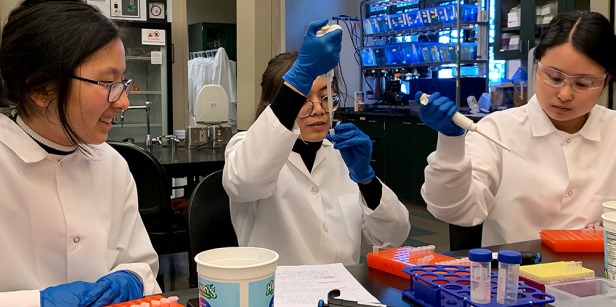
<point x="566" y="140"/>
<point x="71" y="233"/>
<point x="291" y="190"/>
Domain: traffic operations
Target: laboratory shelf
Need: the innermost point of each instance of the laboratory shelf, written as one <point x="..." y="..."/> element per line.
<point x="406" y="66"/>
<point x="441" y="27"/>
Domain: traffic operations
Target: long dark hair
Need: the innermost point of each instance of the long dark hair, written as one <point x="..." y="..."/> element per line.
<point x="588" y="32"/>
<point x="43" y="42"/>
<point x="271" y="80"/>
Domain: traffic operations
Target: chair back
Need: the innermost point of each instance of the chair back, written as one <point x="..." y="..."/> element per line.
<point x="209" y="220"/>
<point x="167" y="231"/>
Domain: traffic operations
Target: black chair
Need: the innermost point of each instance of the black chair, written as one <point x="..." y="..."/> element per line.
<point x="461" y="237"/>
<point x="168" y="232"/>
<point x="209" y="220"/>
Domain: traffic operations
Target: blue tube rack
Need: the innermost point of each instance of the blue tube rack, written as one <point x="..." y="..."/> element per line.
<point x="449" y="286"/>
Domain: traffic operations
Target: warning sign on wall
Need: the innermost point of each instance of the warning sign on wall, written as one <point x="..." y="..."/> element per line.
<point x="153" y="37"/>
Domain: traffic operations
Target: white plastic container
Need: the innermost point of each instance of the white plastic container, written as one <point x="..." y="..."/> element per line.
<point x="609" y="244"/>
<point x="595" y="292"/>
<point x="236" y="276"/>
<point x="609" y="206"/>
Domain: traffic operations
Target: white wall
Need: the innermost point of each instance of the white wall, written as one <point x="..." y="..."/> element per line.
<point x="299" y="14"/>
<point x="6" y="6"/>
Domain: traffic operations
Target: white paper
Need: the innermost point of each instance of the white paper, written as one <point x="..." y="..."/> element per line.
<point x="156" y="57"/>
<point x="305" y="285"/>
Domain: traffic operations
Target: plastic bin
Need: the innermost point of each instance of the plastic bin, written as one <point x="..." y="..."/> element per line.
<point x="425" y="17"/>
<point x="468" y="51"/>
<point x="447" y="14"/>
<point x="368" y="26"/>
<point x="433" y="16"/>
<point x="367" y="57"/>
<point x="398" y="22"/>
<point x="595" y="292"/>
<point x="380" y="55"/>
<point x="413" y="19"/>
<point x="412" y="53"/>
<point x="383" y="24"/>
<point x="469" y="12"/>
<point x="395" y="55"/>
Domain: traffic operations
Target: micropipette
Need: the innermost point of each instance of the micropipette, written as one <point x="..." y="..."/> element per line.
<point x="469" y="125"/>
<point x="329" y="77"/>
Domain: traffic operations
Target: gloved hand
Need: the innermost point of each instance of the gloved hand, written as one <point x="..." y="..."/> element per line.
<point x="356" y="150"/>
<point x="117" y="287"/>
<point x="69" y="294"/>
<point x="316" y="56"/>
<point x="437" y="114"/>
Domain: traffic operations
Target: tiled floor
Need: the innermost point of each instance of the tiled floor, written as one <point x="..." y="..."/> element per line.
<point x="425" y="230"/>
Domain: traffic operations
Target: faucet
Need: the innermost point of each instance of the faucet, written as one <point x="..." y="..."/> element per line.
<point x="146" y="108"/>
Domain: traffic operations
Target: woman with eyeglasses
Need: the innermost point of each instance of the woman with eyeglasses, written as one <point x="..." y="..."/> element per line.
<point x="70" y="228"/>
<point x="291" y="190"/>
<point x="566" y="140"/>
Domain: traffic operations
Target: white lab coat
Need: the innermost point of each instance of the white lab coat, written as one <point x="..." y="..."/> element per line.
<point x="308" y="218"/>
<point x="66" y="218"/>
<point x="560" y="183"/>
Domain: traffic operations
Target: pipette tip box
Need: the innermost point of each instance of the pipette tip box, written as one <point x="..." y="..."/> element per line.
<point x="171" y="302"/>
<point x="580" y="240"/>
<point x="449" y="286"/>
<point x="393" y="260"/>
<point x="540" y="275"/>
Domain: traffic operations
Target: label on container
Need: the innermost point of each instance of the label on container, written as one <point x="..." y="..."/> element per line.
<point x="221" y="294"/>
<point x="609" y="243"/>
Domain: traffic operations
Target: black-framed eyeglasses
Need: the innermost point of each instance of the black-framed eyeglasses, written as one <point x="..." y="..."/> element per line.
<point x="579" y="83"/>
<point x="308" y="106"/>
<point x="115" y="89"/>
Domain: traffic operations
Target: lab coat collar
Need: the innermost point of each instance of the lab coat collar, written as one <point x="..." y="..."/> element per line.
<point x="541" y="124"/>
<point x="297" y="161"/>
<point x="26" y="148"/>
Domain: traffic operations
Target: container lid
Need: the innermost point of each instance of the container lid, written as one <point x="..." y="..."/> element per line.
<point x="480" y="255"/>
<point x="509" y="257"/>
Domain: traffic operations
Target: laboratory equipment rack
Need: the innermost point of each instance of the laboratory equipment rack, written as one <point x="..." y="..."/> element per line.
<point x="375" y="76"/>
<point x="449" y="285"/>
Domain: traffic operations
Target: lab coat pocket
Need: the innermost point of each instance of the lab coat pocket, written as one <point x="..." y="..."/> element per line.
<point x="352" y="212"/>
<point x="111" y="257"/>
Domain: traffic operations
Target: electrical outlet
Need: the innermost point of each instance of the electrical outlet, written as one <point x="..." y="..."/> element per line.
<point x="196" y="136"/>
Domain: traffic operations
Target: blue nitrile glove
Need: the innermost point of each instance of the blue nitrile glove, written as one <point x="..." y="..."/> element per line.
<point x="316" y="56"/>
<point x="114" y="288"/>
<point x="356" y="150"/>
<point x="69" y="294"/>
<point x="437" y="114"/>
